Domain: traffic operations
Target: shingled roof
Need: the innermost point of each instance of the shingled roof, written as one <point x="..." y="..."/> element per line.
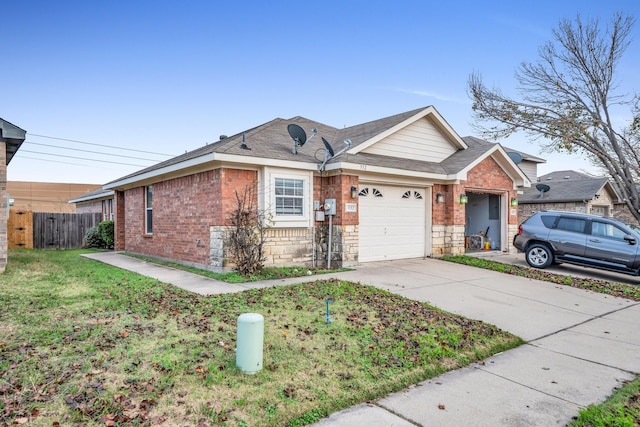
<point x="272" y="141"/>
<point x="566" y="186"/>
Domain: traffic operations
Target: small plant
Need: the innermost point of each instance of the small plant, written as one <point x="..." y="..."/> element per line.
<point x="100" y="237"/>
<point x="93" y="239"/>
<point x="105" y="228"/>
<point x="246" y="238"/>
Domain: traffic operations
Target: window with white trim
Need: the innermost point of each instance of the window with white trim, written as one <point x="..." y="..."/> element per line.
<point x="104" y="210"/>
<point x="289" y="194"/>
<point x="148" y="209"/>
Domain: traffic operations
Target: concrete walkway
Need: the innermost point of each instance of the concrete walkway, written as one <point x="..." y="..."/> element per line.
<point x="580" y="346"/>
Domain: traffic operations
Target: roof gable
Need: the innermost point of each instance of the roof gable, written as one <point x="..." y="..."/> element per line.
<point x="462" y="161"/>
<point x="419" y="134"/>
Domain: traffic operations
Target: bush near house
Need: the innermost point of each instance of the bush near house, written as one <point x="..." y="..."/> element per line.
<point x="101" y="237"/>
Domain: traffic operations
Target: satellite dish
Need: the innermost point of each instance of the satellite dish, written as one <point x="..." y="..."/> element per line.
<point x="330" y="154"/>
<point x="299" y="136"/>
<point x="328" y="146"/>
<point x="542" y="188"/>
<point x="516" y="157"/>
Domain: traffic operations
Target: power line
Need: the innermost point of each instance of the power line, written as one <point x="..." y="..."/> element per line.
<point x="81" y="158"/>
<point x="64" y="163"/>
<point x="89" y="151"/>
<point x="100" y="145"/>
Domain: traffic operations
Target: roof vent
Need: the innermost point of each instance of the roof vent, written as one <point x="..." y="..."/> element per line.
<point x="223" y="137"/>
<point x="567" y="177"/>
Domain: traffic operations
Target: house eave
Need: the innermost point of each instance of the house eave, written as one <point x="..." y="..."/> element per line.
<point x="204" y="162"/>
<point x="359" y="168"/>
<point x="81" y="199"/>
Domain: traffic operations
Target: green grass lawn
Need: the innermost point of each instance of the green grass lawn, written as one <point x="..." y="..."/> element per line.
<point x="86" y="343"/>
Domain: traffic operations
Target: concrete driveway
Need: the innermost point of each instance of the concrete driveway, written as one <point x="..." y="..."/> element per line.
<point x="565" y="269"/>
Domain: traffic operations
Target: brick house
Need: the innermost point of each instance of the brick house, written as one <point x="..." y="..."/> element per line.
<point x="573" y="192"/>
<point x="11" y="137"/>
<point x="96" y="201"/>
<point x="403" y="186"/>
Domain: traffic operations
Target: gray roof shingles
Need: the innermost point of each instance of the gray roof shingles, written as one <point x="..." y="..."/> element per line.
<point x="574" y="190"/>
<point x="271" y="140"/>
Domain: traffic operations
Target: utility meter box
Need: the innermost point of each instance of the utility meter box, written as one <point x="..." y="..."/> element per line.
<point x="330" y="206"/>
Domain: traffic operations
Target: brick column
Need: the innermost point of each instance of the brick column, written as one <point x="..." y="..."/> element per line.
<point x="119" y="221"/>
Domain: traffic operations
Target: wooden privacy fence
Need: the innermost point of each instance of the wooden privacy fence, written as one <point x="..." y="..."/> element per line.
<point x="20" y="229"/>
<point x="50" y="230"/>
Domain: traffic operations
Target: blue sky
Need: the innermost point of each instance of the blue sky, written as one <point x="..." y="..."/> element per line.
<point x="170" y="76"/>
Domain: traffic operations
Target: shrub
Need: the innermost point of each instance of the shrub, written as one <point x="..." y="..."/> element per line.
<point x="105" y="229"/>
<point x="93" y="239"/>
<point x="246" y="237"/>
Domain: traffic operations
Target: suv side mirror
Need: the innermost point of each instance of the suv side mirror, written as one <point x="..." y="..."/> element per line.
<point x="630" y="239"/>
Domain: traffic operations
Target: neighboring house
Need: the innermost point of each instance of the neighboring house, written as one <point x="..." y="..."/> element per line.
<point x="569" y="191"/>
<point x="51" y="197"/>
<point x="11" y="137"/>
<point x="96" y="201"/>
<point x="405" y="187"/>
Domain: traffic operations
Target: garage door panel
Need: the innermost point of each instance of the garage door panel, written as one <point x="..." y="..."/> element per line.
<point x="391" y="226"/>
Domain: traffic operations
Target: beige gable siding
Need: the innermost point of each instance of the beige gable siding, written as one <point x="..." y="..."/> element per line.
<point x="530" y="169"/>
<point x="420" y="140"/>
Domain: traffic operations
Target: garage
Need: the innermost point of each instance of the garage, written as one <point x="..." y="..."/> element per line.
<point x="392" y="222"/>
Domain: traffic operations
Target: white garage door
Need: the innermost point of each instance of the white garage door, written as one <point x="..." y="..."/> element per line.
<point x="392" y="222"/>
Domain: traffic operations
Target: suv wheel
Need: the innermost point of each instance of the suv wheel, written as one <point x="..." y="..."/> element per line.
<point x="538" y="255"/>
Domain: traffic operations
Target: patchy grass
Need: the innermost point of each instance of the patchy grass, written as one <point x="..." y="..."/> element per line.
<point x="267" y="273"/>
<point x="86" y="343"/>
<point x="623" y="290"/>
<point x="620" y="410"/>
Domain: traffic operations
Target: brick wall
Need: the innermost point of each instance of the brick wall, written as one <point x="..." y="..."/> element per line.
<point x="449" y="217"/>
<point x="344" y="240"/>
<point x="490" y="177"/>
<point x="120" y="220"/>
<point x="621" y="211"/>
<point x="184" y="209"/>
<point x="93" y="206"/>
<point x="525" y="210"/>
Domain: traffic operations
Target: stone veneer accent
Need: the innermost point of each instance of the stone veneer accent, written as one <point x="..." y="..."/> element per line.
<point x="293" y="246"/>
<point x="289" y="246"/>
<point x="447" y="239"/>
<point x="512" y="230"/>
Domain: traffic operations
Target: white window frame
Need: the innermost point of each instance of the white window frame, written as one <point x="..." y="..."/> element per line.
<point x="148" y="210"/>
<point x="104" y="210"/>
<point x="304" y="220"/>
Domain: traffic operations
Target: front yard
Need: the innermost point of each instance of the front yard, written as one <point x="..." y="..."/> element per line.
<point x="85" y="343"/>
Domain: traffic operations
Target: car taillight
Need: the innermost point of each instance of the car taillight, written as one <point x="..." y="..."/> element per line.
<point x="520" y="230"/>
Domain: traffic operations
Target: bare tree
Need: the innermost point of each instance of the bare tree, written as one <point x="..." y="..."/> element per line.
<point x="569" y="97"/>
<point x="246" y="237"/>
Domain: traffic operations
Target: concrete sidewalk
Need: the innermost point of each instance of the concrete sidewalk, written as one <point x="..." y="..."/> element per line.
<point x="580" y="346"/>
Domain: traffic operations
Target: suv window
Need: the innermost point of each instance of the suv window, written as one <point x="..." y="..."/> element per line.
<point x="602" y="229"/>
<point x="575" y="225"/>
<point x="548" y="220"/>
